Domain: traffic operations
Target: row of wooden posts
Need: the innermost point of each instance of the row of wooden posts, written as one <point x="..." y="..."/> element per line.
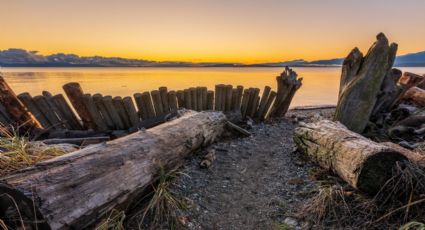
<point x="104" y="113"/>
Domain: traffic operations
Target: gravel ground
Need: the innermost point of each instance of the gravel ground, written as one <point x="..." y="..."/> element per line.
<point x="256" y="182"/>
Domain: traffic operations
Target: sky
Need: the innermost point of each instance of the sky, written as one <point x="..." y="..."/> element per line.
<point x="245" y="31"/>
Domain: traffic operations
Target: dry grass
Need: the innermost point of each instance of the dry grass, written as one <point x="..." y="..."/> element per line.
<point x="399" y="201"/>
<point x="114" y="221"/>
<point x="17" y="152"/>
<point x="413" y="226"/>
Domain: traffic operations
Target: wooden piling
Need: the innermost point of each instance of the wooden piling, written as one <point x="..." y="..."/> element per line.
<point x="204" y="93"/>
<point x="233" y="106"/>
<point x="113" y="113"/>
<point x="253" y="102"/>
<point x="100" y="123"/>
<point x="141" y="111"/>
<point x="157" y="102"/>
<point x="194" y="98"/>
<point x="210" y="100"/>
<point x="244" y="104"/>
<point x="120" y="108"/>
<point x="172" y="101"/>
<point x="263" y="102"/>
<point x="131" y="112"/>
<point x="43" y="106"/>
<point x="268" y="106"/>
<point x="217" y="100"/>
<point x="65" y="108"/>
<point x="28" y="101"/>
<point x="180" y="98"/>
<point x="187" y="99"/>
<point x="223" y="96"/>
<point x="163" y="91"/>
<point x="15" y="109"/>
<point x="199" y="98"/>
<point x="98" y="102"/>
<point x="56" y="110"/>
<point x="75" y="95"/>
<point x="148" y="105"/>
<point x="228" y="96"/>
<point x="239" y="97"/>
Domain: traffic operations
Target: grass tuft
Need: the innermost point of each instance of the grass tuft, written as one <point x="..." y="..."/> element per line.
<point x="114" y="221"/>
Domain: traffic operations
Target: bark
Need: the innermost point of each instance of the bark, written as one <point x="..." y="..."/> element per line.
<point x="74" y="190"/>
<point x="361" y="83"/>
<point x="364" y="164"/>
<point x="18" y="113"/>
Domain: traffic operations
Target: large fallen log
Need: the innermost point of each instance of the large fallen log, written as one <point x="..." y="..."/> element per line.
<point x="75" y="190"/>
<point x="416" y="96"/>
<point x="363" y="82"/>
<point x="362" y="163"/>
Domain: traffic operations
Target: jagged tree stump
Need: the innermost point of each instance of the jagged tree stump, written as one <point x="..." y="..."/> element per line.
<point x="75" y="190"/>
<point x="287" y="85"/>
<point x="362" y="81"/>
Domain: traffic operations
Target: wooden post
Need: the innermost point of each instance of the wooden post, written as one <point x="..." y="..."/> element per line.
<point x="55" y="110"/>
<point x="157" y="102"/>
<point x="66" y="109"/>
<point x="234" y="99"/>
<point x="75" y="95"/>
<point x="240" y="93"/>
<point x="98" y="102"/>
<point x="210" y="100"/>
<point x="94" y="113"/>
<point x="245" y="101"/>
<point x="164" y="99"/>
<point x="187" y="99"/>
<point x="43" y="106"/>
<point x="204" y="97"/>
<point x="264" y="99"/>
<point x="131" y="112"/>
<point x="217" y="100"/>
<point x="252" y="102"/>
<point x="147" y="104"/>
<point x="194" y="98"/>
<point x="120" y="108"/>
<point x="27" y="100"/>
<point x="268" y="106"/>
<point x="180" y="98"/>
<point x="139" y="103"/>
<point x="199" y="98"/>
<point x="113" y="113"/>
<point x="223" y="96"/>
<point x="228" y="96"/>
<point x="15" y="109"/>
<point x="172" y="101"/>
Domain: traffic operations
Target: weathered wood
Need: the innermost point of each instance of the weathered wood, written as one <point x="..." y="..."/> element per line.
<point x="88" y="103"/>
<point x="66" y="110"/>
<point x="217" y="99"/>
<point x="233" y="106"/>
<point x="253" y="102"/>
<point x="416" y="96"/>
<point x="204" y="94"/>
<point x="238" y="129"/>
<point x="180" y="98"/>
<point x="239" y="97"/>
<point x="223" y="96"/>
<point x="187" y="99"/>
<point x="172" y="100"/>
<point x="268" y="106"/>
<point x="82" y="141"/>
<point x="141" y="111"/>
<point x="194" y="98"/>
<point x="131" y="112"/>
<point x="361" y="83"/>
<point x="245" y="101"/>
<point x="43" y="106"/>
<point x="75" y="95"/>
<point x="199" y="98"/>
<point x="77" y="189"/>
<point x="147" y="104"/>
<point x="390" y="93"/>
<point x="263" y="102"/>
<point x="56" y="110"/>
<point x="27" y="100"/>
<point x="287" y="85"/>
<point x="120" y="108"/>
<point x="210" y="100"/>
<point x="228" y="98"/>
<point x="163" y="91"/>
<point x="98" y="102"/>
<point x="15" y="109"/>
<point x="157" y="102"/>
<point x="113" y="113"/>
<point x="362" y="163"/>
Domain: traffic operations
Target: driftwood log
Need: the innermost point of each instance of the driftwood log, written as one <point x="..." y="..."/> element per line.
<point x="287" y="85"/>
<point x="75" y="190"/>
<point x="416" y="96"/>
<point x="362" y="81"/>
<point x="364" y="164"/>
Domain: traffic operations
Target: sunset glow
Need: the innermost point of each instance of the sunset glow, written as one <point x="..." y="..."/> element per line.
<point x="212" y="30"/>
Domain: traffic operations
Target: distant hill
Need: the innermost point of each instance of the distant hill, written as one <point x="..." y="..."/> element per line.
<point x="24" y="58"/>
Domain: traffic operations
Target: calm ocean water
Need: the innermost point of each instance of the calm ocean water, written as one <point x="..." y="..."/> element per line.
<point x="320" y="85"/>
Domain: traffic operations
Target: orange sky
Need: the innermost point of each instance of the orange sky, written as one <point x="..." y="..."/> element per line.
<point x="245" y="31"/>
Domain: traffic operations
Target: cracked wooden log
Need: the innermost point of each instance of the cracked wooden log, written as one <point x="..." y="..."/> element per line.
<point x="362" y="163"/>
<point x="362" y="81"/>
<point x="416" y="96"/>
<point x="75" y="190"/>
